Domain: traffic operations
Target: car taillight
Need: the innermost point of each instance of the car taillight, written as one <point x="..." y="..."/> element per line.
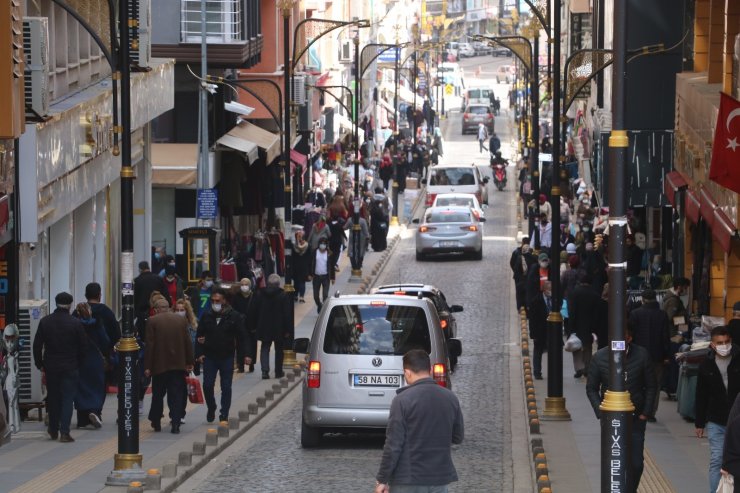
<point x="424" y="229"/>
<point x="443" y="324"/>
<point x="430" y="199"/>
<point x="469" y="228"/>
<point x="439" y="372"/>
<point x="313" y="376"/>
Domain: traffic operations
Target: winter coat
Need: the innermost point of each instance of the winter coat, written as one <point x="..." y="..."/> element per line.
<point x="318" y="231"/>
<point x="168" y="343"/>
<point x="60" y="343"/>
<point x="673" y="307"/>
<point x="364" y="235"/>
<point x="271" y="314"/>
<point x="224" y="333"/>
<point x="583" y="305"/>
<point x="107" y="318"/>
<point x="537" y="314"/>
<point x="639" y="374"/>
<point x="425" y="420"/>
<point x="650" y="329"/>
<point x="144" y="285"/>
<point x="301" y="263"/>
<point x="731" y="452"/>
<point x="519" y="273"/>
<point x="713" y="400"/>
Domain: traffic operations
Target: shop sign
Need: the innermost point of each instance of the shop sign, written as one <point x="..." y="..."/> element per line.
<point x="207" y="203"/>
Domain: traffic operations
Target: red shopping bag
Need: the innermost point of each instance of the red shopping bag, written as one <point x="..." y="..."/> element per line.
<point x="195" y="391"/>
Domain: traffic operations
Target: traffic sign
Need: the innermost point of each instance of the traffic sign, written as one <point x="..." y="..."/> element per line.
<point x="207" y="203"/>
<point x="449" y="89"/>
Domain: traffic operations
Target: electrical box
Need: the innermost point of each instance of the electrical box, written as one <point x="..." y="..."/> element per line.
<point x="30" y="314"/>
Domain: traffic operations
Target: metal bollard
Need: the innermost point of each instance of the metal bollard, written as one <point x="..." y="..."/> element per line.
<point x="234" y="423"/>
<point x="244" y="415"/>
<point x="185" y="459"/>
<point x="153" y="480"/>
<point x="169" y="470"/>
<point x="212" y="436"/>
<point x="199" y="448"/>
<point x="135" y="487"/>
<point x="223" y="429"/>
<point x="261" y="402"/>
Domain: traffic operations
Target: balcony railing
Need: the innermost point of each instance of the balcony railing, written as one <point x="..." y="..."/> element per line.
<point x="224" y="21"/>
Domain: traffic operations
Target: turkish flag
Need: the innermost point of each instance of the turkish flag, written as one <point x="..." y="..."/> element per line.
<point x="725" y="168"/>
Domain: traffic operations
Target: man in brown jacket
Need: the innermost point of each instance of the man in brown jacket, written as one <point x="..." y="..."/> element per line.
<point x="167" y="358"/>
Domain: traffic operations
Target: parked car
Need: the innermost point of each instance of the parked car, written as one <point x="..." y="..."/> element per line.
<point x="455" y="178"/>
<point x="475" y="114"/>
<point x="355" y="360"/>
<point x="450" y="229"/>
<point x="452" y="51"/>
<point x="463" y="199"/>
<point x="501" y="51"/>
<point x="481" y="48"/>
<point x="505" y="73"/>
<point x="465" y="50"/>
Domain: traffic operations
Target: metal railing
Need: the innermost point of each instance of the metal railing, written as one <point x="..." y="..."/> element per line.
<point x="224" y="21"/>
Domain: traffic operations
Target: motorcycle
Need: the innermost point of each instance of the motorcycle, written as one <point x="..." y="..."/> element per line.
<point x="499" y="171"/>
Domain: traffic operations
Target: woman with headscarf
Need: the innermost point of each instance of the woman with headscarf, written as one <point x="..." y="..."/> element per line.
<point x="242" y="297"/>
<point x="319" y="230"/>
<point x="301" y="266"/>
<point x="90" y="394"/>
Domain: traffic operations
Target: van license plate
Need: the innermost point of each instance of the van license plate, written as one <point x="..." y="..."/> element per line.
<point x="377" y="380"/>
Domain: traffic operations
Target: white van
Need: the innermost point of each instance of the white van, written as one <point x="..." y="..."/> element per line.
<point x="456" y="178"/>
<point x="477" y="95"/>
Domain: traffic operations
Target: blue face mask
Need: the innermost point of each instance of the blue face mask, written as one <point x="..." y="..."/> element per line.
<point x="157" y="256"/>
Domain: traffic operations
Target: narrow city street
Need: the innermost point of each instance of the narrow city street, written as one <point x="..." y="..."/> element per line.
<point x="270" y="458"/>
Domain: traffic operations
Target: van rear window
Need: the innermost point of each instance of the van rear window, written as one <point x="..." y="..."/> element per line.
<point x="452" y="176"/>
<point x="370" y="330"/>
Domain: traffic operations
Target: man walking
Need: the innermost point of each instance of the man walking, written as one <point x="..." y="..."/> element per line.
<point x="537" y="316"/>
<point x="273" y="325"/>
<point x="220" y="331"/>
<point x="521" y="259"/>
<point x="58" y="348"/>
<point x="424" y="421"/>
<point x="650" y="330"/>
<point x="144" y="285"/>
<point x="321" y="273"/>
<point x="482" y="136"/>
<point x="717" y="386"/>
<point x="167" y="358"/>
<point x="640" y="383"/>
<point x="583" y="306"/>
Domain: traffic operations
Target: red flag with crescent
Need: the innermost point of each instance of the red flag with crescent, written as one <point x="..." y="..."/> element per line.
<point x="725" y="168"/>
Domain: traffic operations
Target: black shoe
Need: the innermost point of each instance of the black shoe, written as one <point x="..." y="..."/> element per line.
<point x="240" y="370"/>
<point x="279" y="374"/>
<point x="175" y="429"/>
<point x="156" y="426"/>
<point x="651" y="419"/>
<point x="578" y="374"/>
<point x="223" y="417"/>
<point x="251" y="368"/>
<point x="265" y="375"/>
<point x="538" y="376"/>
<point x="66" y="438"/>
<point x="211" y="415"/>
<point x="53" y="434"/>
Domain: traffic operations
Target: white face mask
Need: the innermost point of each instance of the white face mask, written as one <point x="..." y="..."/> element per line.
<point x="723" y="350"/>
<point x="544" y="264"/>
<point x="525" y="249"/>
<point x="208" y="284"/>
<point x="322" y="247"/>
<point x="245" y="289"/>
<point x="216" y="307"/>
<point x="182" y="313"/>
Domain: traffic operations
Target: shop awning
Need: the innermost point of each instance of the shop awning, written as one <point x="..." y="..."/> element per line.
<point x="707" y="206"/>
<point x="723" y="230"/>
<point x="247" y="137"/>
<point x="692" y="206"/>
<point x="174" y="165"/>
<point x="672" y="183"/>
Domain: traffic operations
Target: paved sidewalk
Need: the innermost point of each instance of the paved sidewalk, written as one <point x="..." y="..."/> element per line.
<point x="32" y="463"/>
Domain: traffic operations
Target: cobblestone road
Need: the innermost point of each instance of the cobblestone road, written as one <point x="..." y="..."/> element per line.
<point x="274" y="461"/>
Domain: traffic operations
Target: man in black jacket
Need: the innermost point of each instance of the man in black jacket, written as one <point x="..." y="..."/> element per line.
<point x="144" y="285"/>
<point x="639" y="382"/>
<point x="58" y="349"/>
<point x="521" y="259"/>
<point x="716" y="388"/>
<point x="537" y="315"/>
<point x="220" y="331"/>
<point x="273" y="324"/>
<point x="424" y="421"/>
<point x="583" y="306"/>
<point x="651" y="330"/>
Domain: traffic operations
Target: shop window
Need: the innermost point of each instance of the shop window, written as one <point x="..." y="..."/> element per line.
<point x="223" y="21"/>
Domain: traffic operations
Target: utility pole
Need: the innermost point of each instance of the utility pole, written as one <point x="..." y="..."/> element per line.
<point x="356" y="229"/>
<point x="203" y="164"/>
<point x="534" y="163"/>
<point x="555" y="402"/>
<point x="617" y="408"/>
<point x="394" y="195"/>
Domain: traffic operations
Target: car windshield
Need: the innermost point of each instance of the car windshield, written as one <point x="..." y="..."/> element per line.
<point x="448" y="217"/>
<point x="478" y="110"/>
<point x="452" y="176"/>
<point x="463" y="201"/>
<point x="382" y="329"/>
<point x="478" y="93"/>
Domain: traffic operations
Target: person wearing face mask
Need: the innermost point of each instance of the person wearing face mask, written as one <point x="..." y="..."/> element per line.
<point x="319" y="230"/>
<point x="640" y="383"/>
<point x="650" y="330"/>
<point x="674" y="307"/>
<point x="537" y="276"/>
<point x="521" y="259"/>
<point x="173" y="283"/>
<point x="169" y="260"/>
<point x="537" y="314"/>
<point x="301" y="264"/>
<point x="221" y="331"/>
<point x="544" y="229"/>
<point x="242" y="300"/>
<point x="200" y="294"/>
<point x="733" y="326"/>
<point x="272" y="324"/>
<point x="583" y="305"/>
<point x="717" y="387"/>
<point x="321" y="273"/>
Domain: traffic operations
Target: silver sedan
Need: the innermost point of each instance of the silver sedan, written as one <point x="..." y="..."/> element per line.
<point x="448" y="230"/>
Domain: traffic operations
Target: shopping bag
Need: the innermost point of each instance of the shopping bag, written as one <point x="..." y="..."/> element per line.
<point x="726" y="484"/>
<point x="573" y="343"/>
<point x="195" y="391"/>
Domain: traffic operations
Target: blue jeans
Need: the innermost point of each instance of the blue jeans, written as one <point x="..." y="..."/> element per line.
<point x="61" y="388"/>
<point x="716" y="436"/>
<point x="225" y="367"/>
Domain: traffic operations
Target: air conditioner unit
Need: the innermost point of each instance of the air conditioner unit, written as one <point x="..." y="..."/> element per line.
<point x="140" y="40"/>
<point x="345" y="51"/>
<point x="36" y="52"/>
<point x="29" y="315"/>
<point x="298" y="90"/>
